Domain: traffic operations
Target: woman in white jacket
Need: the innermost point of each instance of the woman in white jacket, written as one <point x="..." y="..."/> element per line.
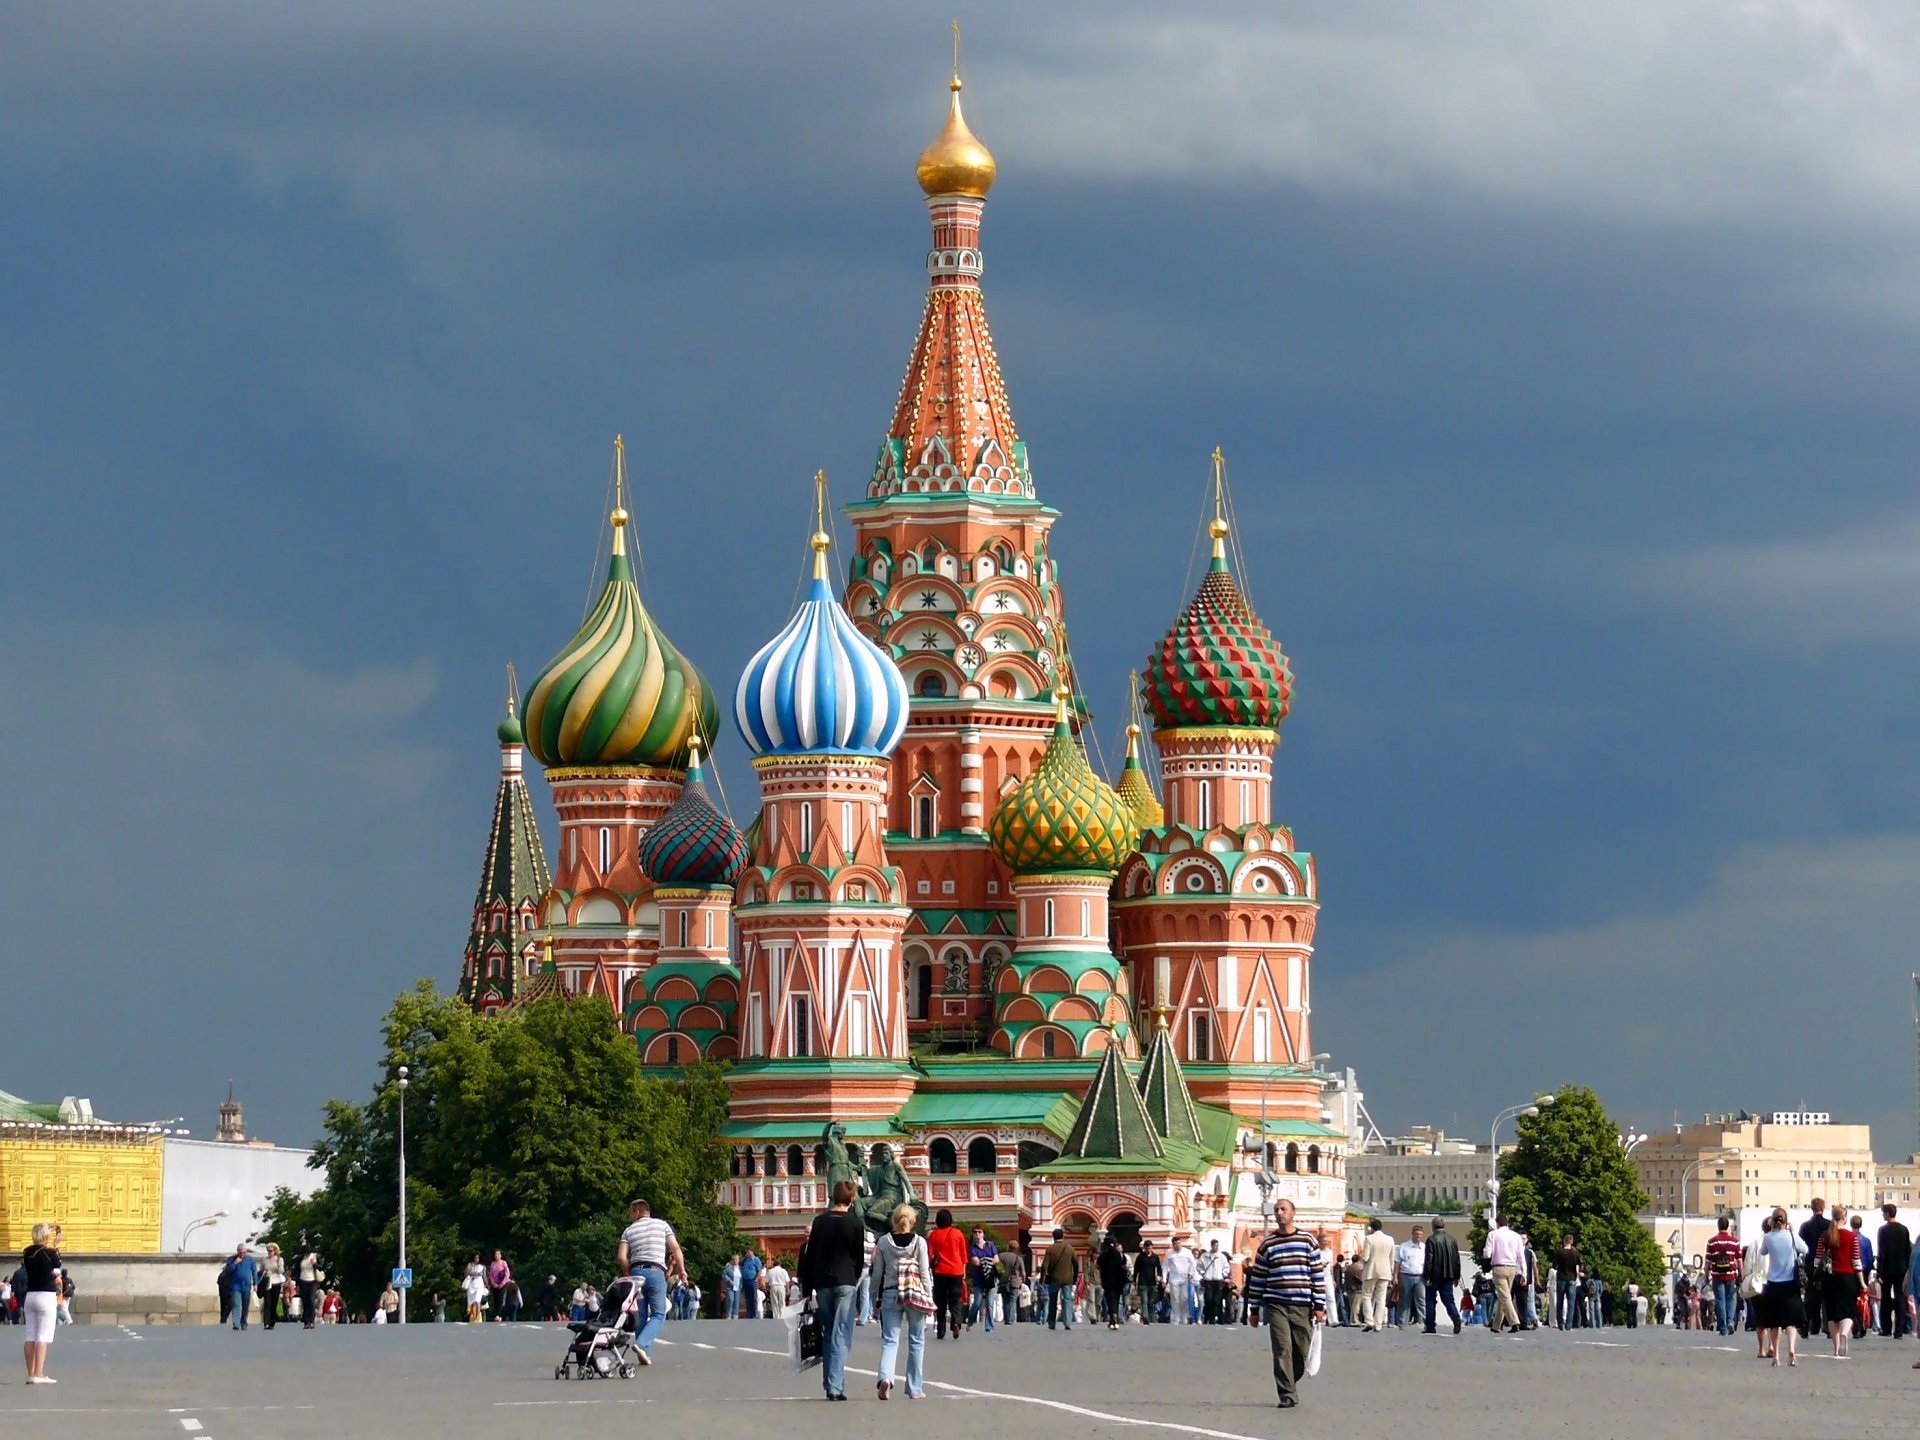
<point x="902" y="1251"/>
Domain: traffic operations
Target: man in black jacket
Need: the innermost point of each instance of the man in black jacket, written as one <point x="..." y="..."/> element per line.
<point x="1146" y="1280"/>
<point x="1892" y="1253"/>
<point x="1442" y="1274"/>
<point x="830" y="1265"/>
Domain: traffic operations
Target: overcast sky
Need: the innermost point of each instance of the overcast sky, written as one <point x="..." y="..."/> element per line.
<point x="1563" y="355"/>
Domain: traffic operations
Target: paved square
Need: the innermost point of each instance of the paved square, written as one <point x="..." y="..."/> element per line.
<point x="731" y="1380"/>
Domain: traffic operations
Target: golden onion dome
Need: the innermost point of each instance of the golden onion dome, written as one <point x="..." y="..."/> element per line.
<point x="1063" y="818"/>
<point x="1136" y="789"/>
<point x="956" y="163"/>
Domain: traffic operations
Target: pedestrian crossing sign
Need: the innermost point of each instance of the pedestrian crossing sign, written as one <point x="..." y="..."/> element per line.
<point x="403" y="1279"/>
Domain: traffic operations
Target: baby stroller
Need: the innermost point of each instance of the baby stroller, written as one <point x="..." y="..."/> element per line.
<point x="604" y="1347"/>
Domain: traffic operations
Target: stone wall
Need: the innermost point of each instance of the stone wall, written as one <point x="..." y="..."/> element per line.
<point x="145" y="1289"/>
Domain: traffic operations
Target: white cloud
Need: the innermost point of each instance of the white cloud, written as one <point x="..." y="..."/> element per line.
<point x="1859" y="585"/>
<point x="1787" y="979"/>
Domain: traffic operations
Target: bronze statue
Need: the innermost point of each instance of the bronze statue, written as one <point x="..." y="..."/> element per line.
<point x="883" y="1188"/>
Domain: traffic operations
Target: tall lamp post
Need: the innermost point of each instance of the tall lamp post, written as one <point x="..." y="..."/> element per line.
<point x="1532" y="1107"/>
<point x="403" y="1184"/>
<point x="1264" y="1177"/>
<point x="1685" y="1206"/>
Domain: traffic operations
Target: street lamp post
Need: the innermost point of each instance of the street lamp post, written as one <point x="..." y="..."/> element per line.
<point x="1531" y="1107"/>
<point x="1264" y="1177"/>
<point x="1685" y="1207"/>
<point x="403" y="1185"/>
<point x="200" y="1224"/>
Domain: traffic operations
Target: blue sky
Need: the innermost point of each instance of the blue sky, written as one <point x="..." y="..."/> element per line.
<point x="1562" y="357"/>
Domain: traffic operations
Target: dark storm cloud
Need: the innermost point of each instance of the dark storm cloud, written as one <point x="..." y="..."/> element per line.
<point x="1561" y="358"/>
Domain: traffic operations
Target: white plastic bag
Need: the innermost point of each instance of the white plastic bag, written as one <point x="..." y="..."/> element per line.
<point x="804" y="1349"/>
<point x="1313" y="1350"/>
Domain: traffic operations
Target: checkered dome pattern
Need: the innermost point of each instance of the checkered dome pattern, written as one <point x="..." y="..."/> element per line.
<point x="1063" y="817"/>
<point x="1218" y="665"/>
<point x="693" y="843"/>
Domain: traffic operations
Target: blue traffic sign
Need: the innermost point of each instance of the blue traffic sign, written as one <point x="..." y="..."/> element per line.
<point x="403" y="1279"/>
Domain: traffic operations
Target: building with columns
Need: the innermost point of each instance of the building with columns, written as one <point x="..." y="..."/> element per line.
<point x="1057" y="1000"/>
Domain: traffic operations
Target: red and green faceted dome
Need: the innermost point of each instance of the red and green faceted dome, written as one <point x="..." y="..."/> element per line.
<point x="693" y="843"/>
<point x="1218" y="666"/>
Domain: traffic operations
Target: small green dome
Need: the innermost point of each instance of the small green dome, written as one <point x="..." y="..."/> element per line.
<point x="509" y="731"/>
<point x="618" y="693"/>
<point x="1063" y="818"/>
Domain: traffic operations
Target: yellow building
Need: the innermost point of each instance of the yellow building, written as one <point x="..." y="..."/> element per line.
<point x="1721" y="1166"/>
<point x="101" y="1183"/>
<point x="1897" y="1181"/>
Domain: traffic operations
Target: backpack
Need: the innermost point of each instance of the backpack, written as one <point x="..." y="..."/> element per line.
<point x="915" y="1290"/>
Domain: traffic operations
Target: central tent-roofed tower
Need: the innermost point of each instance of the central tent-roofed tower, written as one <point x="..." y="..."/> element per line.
<point x="952" y="573"/>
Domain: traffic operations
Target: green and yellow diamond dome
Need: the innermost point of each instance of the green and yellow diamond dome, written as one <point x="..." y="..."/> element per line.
<point x="618" y="693"/>
<point x="1063" y="818"/>
<point x="1136" y="789"/>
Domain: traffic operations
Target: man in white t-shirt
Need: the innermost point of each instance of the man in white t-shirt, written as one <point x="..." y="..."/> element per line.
<point x="650" y="1253"/>
<point x="1181" y="1271"/>
<point x="777" y="1280"/>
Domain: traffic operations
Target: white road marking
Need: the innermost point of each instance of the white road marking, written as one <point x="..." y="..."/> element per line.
<point x="700" y="1345"/>
<point x="189" y="1423"/>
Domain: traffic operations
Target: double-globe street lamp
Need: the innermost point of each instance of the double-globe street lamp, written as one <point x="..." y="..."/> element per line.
<point x="1531" y="1107"/>
<point x="1686" y="1209"/>
<point x="1264" y="1176"/>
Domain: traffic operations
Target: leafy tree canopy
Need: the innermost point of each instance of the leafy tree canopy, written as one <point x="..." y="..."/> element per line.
<point x="1569" y="1175"/>
<point x="527" y="1131"/>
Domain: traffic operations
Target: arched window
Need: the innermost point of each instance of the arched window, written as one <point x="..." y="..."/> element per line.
<point x="806" y="829"/>
<point x="796" y="1160"/>
<point x="733" y="1165"/>
<point x="1046" y="1044"/>
<point x="982" y="1158"/>
<point x="820" y="1159"/>
<point x="606" y="849"/>
<point x="932" y="684"/>
<point x="746" y="1163"/>
<point x="924" y="827"/>
<point x="772" y="1159"/>
<point x="1293" y="1158"/>
<point x="942" y="1158"/>
<point x="1313" y="1159"/>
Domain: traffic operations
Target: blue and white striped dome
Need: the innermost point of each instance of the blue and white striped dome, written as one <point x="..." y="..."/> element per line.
<point x="820" y="687"/>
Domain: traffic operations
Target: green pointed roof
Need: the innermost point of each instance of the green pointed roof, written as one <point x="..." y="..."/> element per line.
<point x="1163" y="1091"/>
<point x="1112" y="1123"/>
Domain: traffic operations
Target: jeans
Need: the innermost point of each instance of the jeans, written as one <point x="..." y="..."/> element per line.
<point x="651" y="1287"/>
<point x="894" y="1316"/>
<point x="1565" y="1311"/>
<point x="1438" y="1294"/>
<point x="835" y="1303"/>
<point x="1596" y="1314"/>
<point x="1893" y="1307"/>
<point x="1413" y="1299"/>
<point x="1215" y="1295"/>
<point x="731" y="1299"/>
<point x="309" y="1309"/>
<point x="1343" y="1305"/>
<point x="1059" y="1298"/>
<point x="862" y="1299"/>
<point x="980" y="1307"/>
<point x="1009" y="1307"/>
<point x="242" y="1303"/>
<point x="749" y="1301"/>
<point x="1725" y="1292"/>
<point x="1149" y="1301"/>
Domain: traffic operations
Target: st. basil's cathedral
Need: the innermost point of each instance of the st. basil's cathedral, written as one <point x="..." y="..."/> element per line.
<point x="1055" y="1000"/>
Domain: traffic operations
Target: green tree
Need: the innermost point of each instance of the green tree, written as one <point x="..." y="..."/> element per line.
<point x="527" y="1131"/>
<point x="1569" y="1176"/>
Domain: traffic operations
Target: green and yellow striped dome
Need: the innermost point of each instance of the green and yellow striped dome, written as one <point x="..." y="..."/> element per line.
<point x="618" y="693"/>
<point x="1063" y="818"/>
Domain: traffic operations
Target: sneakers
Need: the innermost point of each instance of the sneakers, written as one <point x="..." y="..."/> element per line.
<point x="642" y="1356"/>
<point x="41" y="1380"/>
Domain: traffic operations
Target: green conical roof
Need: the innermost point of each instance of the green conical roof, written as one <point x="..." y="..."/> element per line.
<point x="1163" y="1090"/>
<point x="1112" y="1123"/>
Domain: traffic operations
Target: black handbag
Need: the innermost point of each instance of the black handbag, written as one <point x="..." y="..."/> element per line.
<point x="813" y="1339"/>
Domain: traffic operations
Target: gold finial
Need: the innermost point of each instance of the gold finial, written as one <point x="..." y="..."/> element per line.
<point x="956" y="163"/>
<point x="1061" y="696"/>
<point x="619" y="516"/>
<point x="1218" y="529"/>
<point x="821" y="539"/>
<point x="513" y="689"/>
<point x="693" y="751"/>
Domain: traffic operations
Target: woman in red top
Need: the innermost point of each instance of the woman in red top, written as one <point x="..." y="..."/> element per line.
<point x="1840" y="1248"/>
<point x="948" y="1249"/>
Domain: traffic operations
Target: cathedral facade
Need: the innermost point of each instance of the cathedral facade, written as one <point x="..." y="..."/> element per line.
<point x="1057" y="1001"/>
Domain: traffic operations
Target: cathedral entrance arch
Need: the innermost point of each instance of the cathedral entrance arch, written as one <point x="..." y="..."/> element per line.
<point x="1125" y="1227"/>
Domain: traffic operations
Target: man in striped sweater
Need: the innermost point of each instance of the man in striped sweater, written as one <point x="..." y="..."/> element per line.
<point x="1284" y="1280"/>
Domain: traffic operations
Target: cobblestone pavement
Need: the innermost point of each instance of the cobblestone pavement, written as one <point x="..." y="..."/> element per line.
<point x="732" y="1380"/>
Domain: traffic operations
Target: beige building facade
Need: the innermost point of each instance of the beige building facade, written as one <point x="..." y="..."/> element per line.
<point x="1719" y="1166"/>
<point x="1422" y="1162"/>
